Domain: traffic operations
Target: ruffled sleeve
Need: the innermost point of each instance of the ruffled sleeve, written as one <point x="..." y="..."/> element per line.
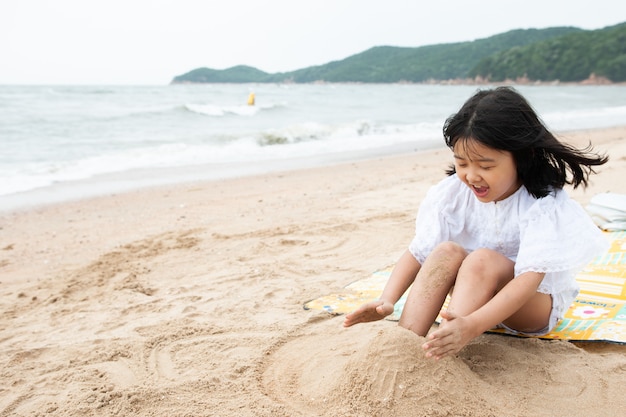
<point x="557" y="235"/>
<point x="440" y="217"/>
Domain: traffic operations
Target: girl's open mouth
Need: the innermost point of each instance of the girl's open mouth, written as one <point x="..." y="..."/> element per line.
<point x="480" y="191"/>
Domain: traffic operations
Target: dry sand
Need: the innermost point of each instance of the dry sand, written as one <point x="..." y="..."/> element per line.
<point x="187" y="301"/>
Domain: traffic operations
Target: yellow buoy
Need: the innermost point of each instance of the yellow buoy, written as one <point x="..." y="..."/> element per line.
<point x="251" y="99"/>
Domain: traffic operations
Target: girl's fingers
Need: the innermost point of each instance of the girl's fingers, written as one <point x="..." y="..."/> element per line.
<point x="366" y="313"/>
<point x="439" y="345"/>
<point x="441" y="352"/>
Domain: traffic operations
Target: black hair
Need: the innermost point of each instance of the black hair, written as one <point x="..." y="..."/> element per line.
<point x="502" y="119"/>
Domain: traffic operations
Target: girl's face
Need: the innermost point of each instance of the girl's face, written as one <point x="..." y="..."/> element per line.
<point x="490" y="173"/>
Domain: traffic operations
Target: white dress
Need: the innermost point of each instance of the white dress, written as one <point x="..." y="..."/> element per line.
<point x="552" y="235"/>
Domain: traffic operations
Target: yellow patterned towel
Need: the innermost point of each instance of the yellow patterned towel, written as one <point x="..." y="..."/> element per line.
<point x="597" y="314"/>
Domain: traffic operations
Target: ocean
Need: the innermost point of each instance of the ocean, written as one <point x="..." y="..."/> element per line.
<point x="64" y="142"/>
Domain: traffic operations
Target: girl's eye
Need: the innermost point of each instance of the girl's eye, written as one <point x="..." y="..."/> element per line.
<point x="486" y="168"/>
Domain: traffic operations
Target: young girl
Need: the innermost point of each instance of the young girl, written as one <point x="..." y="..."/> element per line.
<point x="499" y="233"/>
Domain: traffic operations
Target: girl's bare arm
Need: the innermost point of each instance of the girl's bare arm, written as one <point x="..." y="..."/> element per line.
<point x="401" y="278"/>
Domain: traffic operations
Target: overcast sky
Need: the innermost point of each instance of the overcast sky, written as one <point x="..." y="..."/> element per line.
<point x="151" y="41"/>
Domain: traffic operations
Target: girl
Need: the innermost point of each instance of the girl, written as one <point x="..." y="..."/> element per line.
<point x="499" y="233"/>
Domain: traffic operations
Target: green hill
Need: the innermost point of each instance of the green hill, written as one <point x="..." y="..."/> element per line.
<point x="238" y="74"/>
<point x="387" y="64"/>
<point x="572" y="57"/>
<point x="512" y="54"/>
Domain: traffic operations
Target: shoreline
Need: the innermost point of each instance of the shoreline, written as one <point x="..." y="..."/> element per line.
<point x="137" y="180"/>
<point x="187" y="299"/>
<point x="592" y="80"/>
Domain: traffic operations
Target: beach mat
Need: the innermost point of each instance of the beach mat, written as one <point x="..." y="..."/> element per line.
<point x="597" y="314"/>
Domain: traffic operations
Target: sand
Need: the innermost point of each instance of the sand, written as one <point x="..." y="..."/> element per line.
<point x="187" y="301"/>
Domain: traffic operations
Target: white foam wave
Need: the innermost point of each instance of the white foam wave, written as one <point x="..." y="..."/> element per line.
<point x="298" y="141"/>
<point x="217" y="110"/>
<point x="585" y="118"/>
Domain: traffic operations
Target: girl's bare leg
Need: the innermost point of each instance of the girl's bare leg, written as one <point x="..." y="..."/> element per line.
<point x="481" y="276"/>
<point x="432" y="283"/>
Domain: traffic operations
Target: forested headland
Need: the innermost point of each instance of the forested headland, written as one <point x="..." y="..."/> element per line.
<point x="560" y="54"/>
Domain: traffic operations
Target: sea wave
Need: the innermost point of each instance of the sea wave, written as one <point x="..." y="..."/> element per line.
<point x="297" y="141"/>
<point x="310" y="131"/>
<point x="585" y="117"/>
<point x="216" y="110"/>
<point x="58" y="134"/>
<point x="80" y="91"/>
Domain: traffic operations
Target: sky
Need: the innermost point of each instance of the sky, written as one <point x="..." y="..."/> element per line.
<point x="149" y="42"/>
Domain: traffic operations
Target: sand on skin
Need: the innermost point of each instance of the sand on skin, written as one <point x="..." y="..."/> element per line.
<point x="187" y="301"/>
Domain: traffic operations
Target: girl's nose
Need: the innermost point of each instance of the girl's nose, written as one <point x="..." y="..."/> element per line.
<point x="473" y="176"/>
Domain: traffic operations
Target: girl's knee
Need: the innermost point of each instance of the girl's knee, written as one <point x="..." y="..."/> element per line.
<point x="483" y="255"/>
<point x="450" y="250"/>
<point x="488" y="264"/>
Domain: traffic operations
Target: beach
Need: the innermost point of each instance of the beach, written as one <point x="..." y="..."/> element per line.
<point x="187" y="300"/>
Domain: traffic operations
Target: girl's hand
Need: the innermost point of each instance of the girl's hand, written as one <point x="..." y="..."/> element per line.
<point x="372" y="311"/>
<point x="453" y="334"/>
